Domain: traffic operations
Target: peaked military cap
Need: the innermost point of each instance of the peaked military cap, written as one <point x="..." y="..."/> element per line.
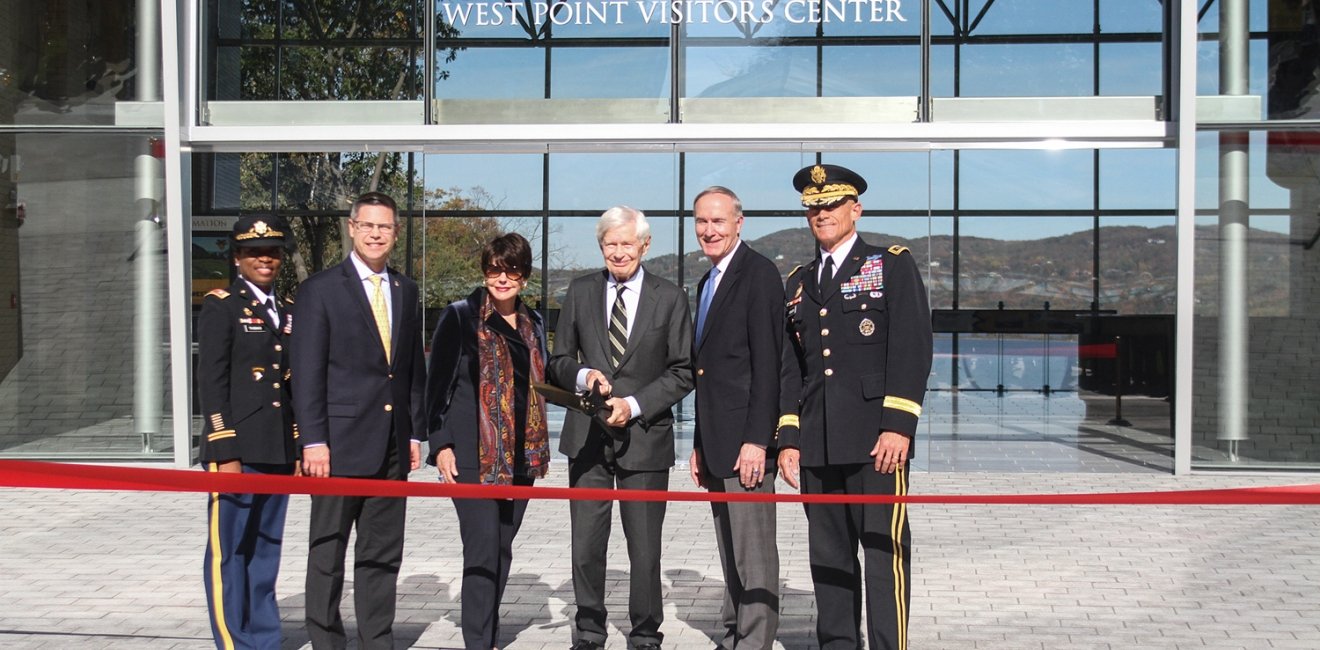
<point x="256" y="231"/>
<point x="825" y="185"/>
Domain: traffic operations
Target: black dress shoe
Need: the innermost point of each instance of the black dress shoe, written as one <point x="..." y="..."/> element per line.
<point x="583" y="644"/>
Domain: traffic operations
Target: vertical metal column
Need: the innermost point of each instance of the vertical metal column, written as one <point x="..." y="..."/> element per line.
<point x="1233" y="220"/>
<point x="923" y="106"/>
<point x="1180" y="98"/>
<point x="148" y="393"/>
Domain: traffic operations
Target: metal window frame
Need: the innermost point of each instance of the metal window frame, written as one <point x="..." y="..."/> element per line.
<point x="183" y="136"/>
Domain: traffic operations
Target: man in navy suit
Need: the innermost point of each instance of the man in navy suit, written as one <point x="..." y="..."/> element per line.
<point x="737" y="352"/>
<point x="359" y="393"/>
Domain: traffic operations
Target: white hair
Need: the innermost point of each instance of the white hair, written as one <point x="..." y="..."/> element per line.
<point x="622" y="215"/>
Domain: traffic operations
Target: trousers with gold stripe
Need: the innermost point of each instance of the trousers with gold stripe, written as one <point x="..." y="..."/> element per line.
<point x="242" y="562"/>
<point x="834" y="531"/>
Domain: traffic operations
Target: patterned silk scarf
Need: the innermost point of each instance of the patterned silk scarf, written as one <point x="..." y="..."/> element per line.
<point x="497" y="399"/>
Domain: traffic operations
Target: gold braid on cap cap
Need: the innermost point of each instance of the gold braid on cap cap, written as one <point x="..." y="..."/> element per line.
<point x="827" y="194"/>
<point x="259" y="230"/>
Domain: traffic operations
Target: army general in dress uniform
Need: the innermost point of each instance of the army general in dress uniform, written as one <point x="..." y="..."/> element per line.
<point x="243" y="385"/>
<point x="859" y="322"/>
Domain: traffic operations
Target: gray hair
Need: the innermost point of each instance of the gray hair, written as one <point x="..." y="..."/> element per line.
<point x="723" y="191"/>
<point x="622" y="215"/>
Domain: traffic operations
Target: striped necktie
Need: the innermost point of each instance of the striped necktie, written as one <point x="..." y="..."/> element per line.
<point x="381" y="313"/>
<point x="618" y="327"/>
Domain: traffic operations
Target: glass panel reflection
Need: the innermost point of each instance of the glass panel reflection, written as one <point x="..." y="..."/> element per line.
<point x="1026" y="70"/>
<point x="630" y="71"/>
<point x="1281" y="59"/>
<point x="1026" y="263"/>
<point x="1043" y="48"/>
<point x="449" y="256"/>
<point x="1138" y="265"/>
<point x="70" y="63"/>
<point x="303" y="50"/>
<point x="83" y="335"/>
<point x="594" y="182"/>
<point x="1254" y="362"/>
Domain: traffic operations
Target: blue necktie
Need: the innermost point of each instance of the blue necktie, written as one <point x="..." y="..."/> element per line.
<point x="706" y="297"/>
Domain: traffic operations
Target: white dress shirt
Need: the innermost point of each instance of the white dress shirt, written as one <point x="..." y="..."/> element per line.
<point x="840" y="254"/>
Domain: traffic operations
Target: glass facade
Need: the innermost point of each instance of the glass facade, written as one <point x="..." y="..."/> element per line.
<point x="1059" y="168"/>
<point x="84" y="367"/>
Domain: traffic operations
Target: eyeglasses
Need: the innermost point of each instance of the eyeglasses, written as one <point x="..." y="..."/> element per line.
<point x="367" y="227"/>
<point x="496" y="272"/>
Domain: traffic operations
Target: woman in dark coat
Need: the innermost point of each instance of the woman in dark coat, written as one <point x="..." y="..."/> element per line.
<point x="487" y="424"/>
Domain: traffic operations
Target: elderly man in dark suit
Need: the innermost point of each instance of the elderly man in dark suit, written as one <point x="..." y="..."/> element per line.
<point x="243" y="385"/>
<point x="737" y="352"/>
<point x="631" y="332"/>
<point x="860" y="326"/>
<point x="359" y="393"/>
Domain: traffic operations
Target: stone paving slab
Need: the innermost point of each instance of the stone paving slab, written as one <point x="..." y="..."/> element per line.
<point x="123" y="570"/>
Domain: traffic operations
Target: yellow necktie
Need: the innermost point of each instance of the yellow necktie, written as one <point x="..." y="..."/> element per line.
<point x="382" y="315"/>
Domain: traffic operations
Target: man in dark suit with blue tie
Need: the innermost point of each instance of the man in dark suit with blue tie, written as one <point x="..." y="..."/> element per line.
<point x="629" y="331"/>
<point x="359" y="392"/>
<point x="737" y="352"/>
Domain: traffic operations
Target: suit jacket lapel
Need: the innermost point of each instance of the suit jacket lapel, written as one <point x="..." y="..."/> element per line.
<point x="813" y="280"/>
<point x="728" y="287"/>
<point x="396" y="306"/>
<point x="353" y="285"/>
<point x="599" y="308"/>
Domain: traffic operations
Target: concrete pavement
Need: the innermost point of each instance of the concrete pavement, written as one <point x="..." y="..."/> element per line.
<point x="123" y="570"/>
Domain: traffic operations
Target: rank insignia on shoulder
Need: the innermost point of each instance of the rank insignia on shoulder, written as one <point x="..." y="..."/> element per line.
<point x="218" y="293"/>
<point x="288" y="323"/>
<point x="898" y="250"/>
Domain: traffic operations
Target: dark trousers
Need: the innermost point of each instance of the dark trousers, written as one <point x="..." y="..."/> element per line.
<point x="833" y="532"/>
<point x="377" y="556"/>
<point x="749" y="555"/>
<point x="487" y="527"/>
<point x="642" y="526"/>
<point x="242" y="562"/>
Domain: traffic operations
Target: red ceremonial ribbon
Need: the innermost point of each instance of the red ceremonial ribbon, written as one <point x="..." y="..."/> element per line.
<point x="70" y="476"/>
